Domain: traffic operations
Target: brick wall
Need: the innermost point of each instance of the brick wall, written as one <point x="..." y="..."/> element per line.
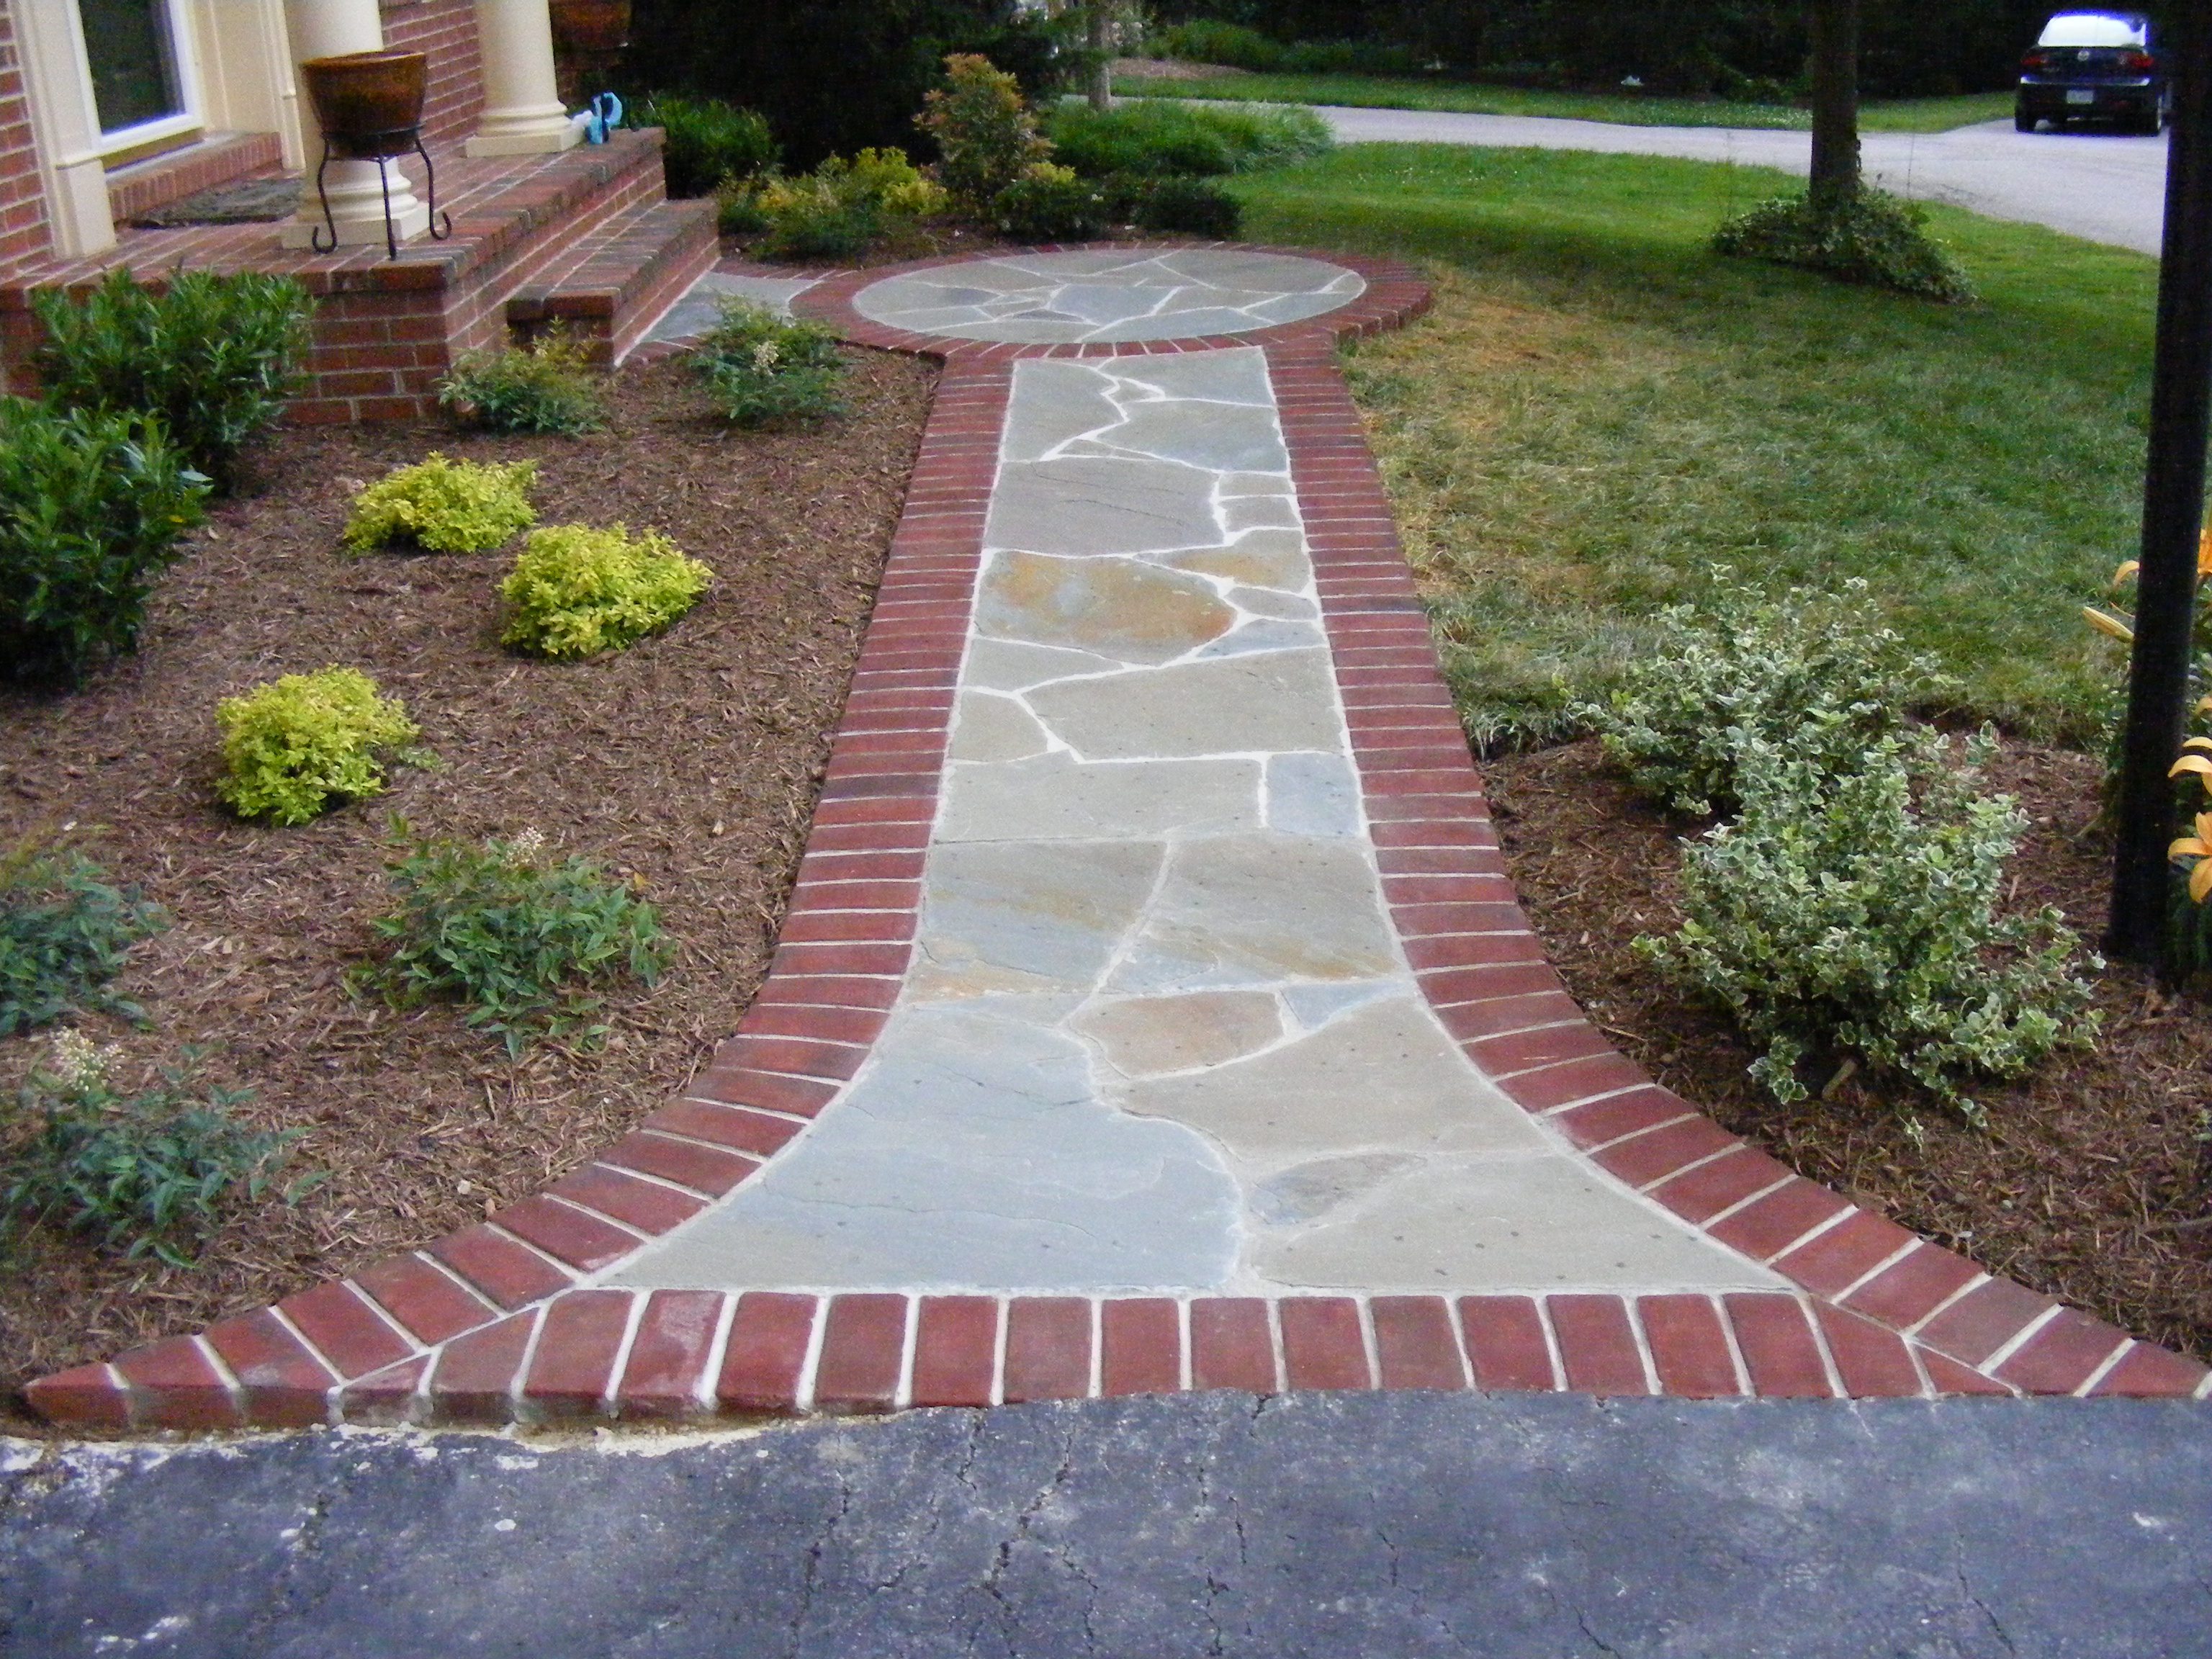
<point x="23" y="234"/>
<point x="447" y="31"/>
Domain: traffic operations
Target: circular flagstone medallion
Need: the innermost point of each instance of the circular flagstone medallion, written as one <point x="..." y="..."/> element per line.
<point x="1105" y="295"/>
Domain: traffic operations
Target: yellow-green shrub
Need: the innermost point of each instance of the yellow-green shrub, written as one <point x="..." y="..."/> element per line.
<point x="295" y="747"/>
<point x="576" y="590"/>
<point x="445" y="507"/>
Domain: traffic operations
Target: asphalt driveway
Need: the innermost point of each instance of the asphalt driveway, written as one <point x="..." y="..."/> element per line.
<point x="1317" y="1526"/>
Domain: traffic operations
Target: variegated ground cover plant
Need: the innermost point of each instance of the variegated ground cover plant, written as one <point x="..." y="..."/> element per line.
<point x="1847" y="910"/>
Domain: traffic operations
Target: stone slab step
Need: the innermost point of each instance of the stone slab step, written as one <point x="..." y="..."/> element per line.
<point x="622" y="276"/>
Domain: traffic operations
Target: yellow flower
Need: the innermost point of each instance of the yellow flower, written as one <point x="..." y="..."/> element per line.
<point x="2199" y="762"/>
<point x="2203" y="560"/>
<point x="2199" y="848"/>
<point x="2105" y="622"/>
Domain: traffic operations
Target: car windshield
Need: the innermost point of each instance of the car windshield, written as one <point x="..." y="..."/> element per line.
<point x="2093" y="29"/>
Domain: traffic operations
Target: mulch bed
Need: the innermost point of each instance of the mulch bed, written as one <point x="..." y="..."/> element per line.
<point x="692" y="761"/>
<point x="2082" y="1184"/>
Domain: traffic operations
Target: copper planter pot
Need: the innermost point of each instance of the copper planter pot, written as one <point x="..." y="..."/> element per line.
<point x="588" y="28"/>
<point x="369" y="103"/>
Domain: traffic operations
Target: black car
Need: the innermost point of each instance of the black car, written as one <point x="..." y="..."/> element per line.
<point x="2092" y="66"/>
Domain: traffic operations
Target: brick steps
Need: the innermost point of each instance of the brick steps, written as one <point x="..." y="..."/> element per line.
<point x="387" y="329"/>
<point x="620" y="277"/>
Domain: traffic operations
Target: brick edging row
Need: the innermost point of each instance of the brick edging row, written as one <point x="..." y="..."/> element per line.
<point x="417" y="1335"/>
<point x="495" y="1323"/>
<point x="1488" y="979"/>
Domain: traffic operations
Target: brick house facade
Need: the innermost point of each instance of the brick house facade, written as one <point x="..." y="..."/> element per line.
<point x="24" y="238"/>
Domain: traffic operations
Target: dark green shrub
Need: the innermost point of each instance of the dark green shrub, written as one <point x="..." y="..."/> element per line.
<point x="64" y="934"/>
<point x="1051" y="205"/>
<point x="813" y="223"/>
<point x="1190" y="207"/>
<point x="832" y="77"/>
<point x="143" y="1174"/>
<point x="762" y="370"/>
<point x="1872" y="238"/>
<point x="1235" y="45"/>
<point x="1350" y="58"/>
<point x="547" y="386"/>
<point x="1209" y="40"/>
<point x="1929" y="49"/>
<point x="737" y="211"/>
<point x="214" y="356"/>
<point x="91" y="507"/>
<point x="1855" y="916"/>
<point x="706" y="143"/>
<point x="511" y="935"/>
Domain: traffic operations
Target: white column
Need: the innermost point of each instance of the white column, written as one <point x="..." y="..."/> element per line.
<point x="327" y="28"/>
<point x="523" y="113"/>
<point x="65" y="125"/>
<point x="245" y="72"/>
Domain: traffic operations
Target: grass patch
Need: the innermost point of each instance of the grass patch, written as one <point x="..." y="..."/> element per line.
<point x="1600" y="412"/>
<point x="1628" y="109"/>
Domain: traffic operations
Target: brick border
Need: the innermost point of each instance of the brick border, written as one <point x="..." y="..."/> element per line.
<point x="492" y="1324"/>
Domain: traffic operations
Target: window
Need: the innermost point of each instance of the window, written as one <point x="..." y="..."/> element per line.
<point x="136" y="52"/>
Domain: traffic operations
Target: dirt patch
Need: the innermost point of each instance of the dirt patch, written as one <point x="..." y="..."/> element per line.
<point x="691" y="761"/>
<point x="2091" y="1167"/>
<point x="1171" y="69"/>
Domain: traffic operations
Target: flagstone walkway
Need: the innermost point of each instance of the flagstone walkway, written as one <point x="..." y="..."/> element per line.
<point x="1153" y="1011"/>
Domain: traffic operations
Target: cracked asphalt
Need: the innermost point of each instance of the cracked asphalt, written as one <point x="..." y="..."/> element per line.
<point x="1334" y="1525"/>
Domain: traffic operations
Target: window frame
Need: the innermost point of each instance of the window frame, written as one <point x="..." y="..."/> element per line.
<point x="158" y="133"/>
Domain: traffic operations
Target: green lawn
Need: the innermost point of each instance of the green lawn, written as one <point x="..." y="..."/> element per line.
<point x="1633" y="109"/>
<point x="1600" y="410"/>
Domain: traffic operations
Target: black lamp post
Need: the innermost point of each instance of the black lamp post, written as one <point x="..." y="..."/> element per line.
<point x="2173" y="500"/>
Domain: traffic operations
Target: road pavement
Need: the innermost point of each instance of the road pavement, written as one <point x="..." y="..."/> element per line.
<point x="1386" y="1525"/>
<point x="2101" y="186"/>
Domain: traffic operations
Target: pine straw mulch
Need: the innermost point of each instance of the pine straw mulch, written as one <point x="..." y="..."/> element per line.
<point x="692" y="760"/>
<point x="2090" y="1166"/>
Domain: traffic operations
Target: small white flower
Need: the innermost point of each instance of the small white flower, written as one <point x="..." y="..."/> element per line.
<point x="80" y="1064"/>
<point x="526" y="847"/>
<point x="766" y="356"/>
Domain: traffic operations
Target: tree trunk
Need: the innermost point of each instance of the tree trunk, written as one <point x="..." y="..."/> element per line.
<point x="1098" y="38"/>
<point x="1834" y="28"/>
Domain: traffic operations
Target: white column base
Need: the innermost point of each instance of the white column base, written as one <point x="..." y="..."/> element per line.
<point x="78" y="208"/>
<point x="544" y="130"/>
<point x="357" y="208"/>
